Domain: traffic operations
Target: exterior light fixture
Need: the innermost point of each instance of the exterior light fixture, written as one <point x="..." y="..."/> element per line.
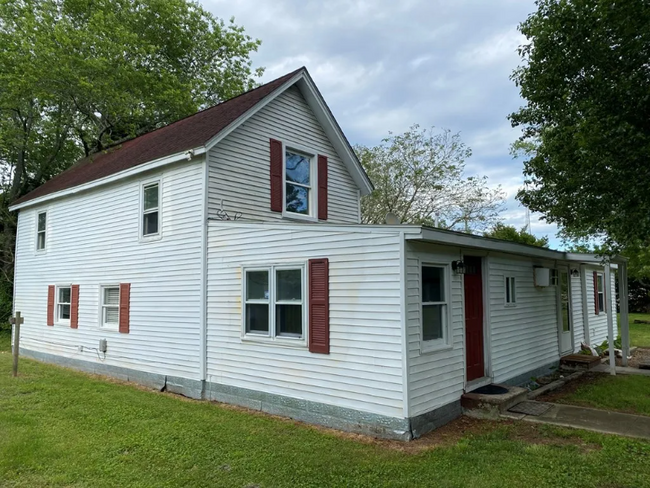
<point x="458" y="267"/>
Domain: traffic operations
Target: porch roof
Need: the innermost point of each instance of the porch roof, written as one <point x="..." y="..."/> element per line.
<point x="454" y="238"/>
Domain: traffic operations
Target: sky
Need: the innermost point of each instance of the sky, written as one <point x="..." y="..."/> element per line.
<point x="383" y="66"/>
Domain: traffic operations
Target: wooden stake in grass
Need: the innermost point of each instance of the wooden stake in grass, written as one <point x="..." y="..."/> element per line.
<point x="16" y="321"/>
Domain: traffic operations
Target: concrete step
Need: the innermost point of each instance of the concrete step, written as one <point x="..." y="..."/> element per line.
<point x="481" y="405"/>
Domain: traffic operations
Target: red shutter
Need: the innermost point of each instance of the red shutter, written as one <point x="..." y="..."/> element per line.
<point x="125" y="307"/>
<point x="276" y="176"/>
<point x="322" y="187"/>
<point x="50" y="304"/>
<point x="319" y="306"/>
<point x="74" y="306"/>
<point x="604" y="294"/>
<point x="596" y="309"/>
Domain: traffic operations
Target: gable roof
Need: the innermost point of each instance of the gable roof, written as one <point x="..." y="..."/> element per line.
<point x="193" y="132"/>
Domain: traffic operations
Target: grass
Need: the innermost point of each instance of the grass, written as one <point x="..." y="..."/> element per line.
<point x="63" y="428"/>
<point x="623" y="393"/>
<point x="639" y="333"/>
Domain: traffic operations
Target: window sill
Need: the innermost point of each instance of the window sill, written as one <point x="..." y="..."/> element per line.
<point x="434" y="348"/>
<point x="62" y="324"/>
<point x="109" y="328"/>
<point x="510" y="305"/>
<point x="295" y="216"/>
<point x="275" y="341"/>
<point x="151" y="238"/>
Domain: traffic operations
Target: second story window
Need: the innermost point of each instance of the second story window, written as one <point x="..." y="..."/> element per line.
<point x="151" y="209"/>
<point x="298" y="183"/>
<point x="41" y="230"/>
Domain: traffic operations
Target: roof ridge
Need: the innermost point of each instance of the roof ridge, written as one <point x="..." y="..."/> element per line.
<point x="220" y="104"/>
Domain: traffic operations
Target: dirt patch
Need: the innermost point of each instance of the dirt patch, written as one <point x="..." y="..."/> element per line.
<point x="569" y="387"/>
<point x="641" y="355"/>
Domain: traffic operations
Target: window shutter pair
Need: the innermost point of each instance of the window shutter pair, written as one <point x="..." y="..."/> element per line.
<point x="319" y="306"/>
<point x="125" y="304"/>
<point x="277" y="174"/>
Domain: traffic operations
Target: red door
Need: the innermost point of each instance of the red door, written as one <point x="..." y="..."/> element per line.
<point x="473" y="318"/>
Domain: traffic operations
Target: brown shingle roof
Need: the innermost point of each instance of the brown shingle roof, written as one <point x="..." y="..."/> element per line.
<point x="182" y="135"/>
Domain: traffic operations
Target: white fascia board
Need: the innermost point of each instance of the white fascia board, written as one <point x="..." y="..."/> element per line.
<point x="252" y="111"/>
<point x="408" y="230"/>
<point x="141" y="168"/>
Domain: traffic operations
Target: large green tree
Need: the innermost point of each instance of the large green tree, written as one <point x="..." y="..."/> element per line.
<point x="586" y="119"/>
<point x="77" y="76"/>
<point x="510" y="233"/>
<point x="420" y="177"/>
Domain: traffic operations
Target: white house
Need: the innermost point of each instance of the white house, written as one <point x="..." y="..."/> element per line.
<point x="222" y="257"/>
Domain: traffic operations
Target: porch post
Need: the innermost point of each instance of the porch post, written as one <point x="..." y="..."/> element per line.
<point x="625" y="321"/>
<point x="610" y="318"/>
<point x="585" y="309"/>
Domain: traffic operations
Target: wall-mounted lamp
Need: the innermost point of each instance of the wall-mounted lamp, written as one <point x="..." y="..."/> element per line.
<point x="575" y="273"/>
<point x="458" y="267"/>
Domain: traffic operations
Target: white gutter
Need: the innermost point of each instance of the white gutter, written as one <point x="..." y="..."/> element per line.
<point x="141" y="168"/>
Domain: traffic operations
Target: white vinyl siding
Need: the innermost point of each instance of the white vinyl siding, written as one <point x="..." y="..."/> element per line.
<point x="598" y="323"/>
<point x="435" y="377"/>
<point x="239" y="164"/>
<point x="524" y="337"/>
<point x="364" y="368"/>
<point x="93" y="239"/>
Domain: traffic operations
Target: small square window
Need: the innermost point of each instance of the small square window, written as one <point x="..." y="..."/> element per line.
<point x="110" y="306"/>
<point x="151" y="209"/>
<point x="63" y="296"/>
<point x="41" y="230"/>
<point x="511" y="290"/>
<point x="274" y="302"/>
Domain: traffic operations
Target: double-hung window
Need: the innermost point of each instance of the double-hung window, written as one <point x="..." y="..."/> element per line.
<point x="511" y="290"/>
<point x="110" y="303"/>
<point x="298" y="174"/>
<point x="151" y="209"/>
<point x="600" y="283"/>
<point x="434" y="306"/>
<point x="274" y="302"/>
<point x="41" y="230"/>
<point x="63" y="300"/>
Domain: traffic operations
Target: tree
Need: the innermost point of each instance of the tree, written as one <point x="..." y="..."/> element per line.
<point x="586" y="121"/>
<point x="419" y="176"/>
<point x="77" y="76"/>
<point x="510" y="233"/>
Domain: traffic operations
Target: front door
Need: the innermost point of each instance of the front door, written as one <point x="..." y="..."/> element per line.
<point x="565" y="326"/>
<point x="474" y="318"/>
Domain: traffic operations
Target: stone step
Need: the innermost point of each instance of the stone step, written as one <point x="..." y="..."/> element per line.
<point x="483" y="405"/>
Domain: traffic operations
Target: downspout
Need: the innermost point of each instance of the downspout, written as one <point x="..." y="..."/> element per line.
<point x="403" y="323"/>
<point x="203" y="354"/>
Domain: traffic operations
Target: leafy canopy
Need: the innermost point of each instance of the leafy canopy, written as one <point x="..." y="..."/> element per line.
<point x="420" y="177"/>
<point x="586" y="121"/>
<point x="510" y="233"/>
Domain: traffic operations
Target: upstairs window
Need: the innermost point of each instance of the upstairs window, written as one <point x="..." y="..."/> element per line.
<point x="151" y="209"/>
<point x="41" y="230"/>
<point x="511" y="290"/>
<point x="434" y="306"/>
<point x="298" y="183"/>
<point x="63" y="301"/>
<point x="274" y="302"/>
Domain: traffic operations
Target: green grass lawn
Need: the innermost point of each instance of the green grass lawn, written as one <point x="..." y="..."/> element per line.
<point x="63" y="428"/>
<point x="639" y="333"/>
<point x="624" y="393"/>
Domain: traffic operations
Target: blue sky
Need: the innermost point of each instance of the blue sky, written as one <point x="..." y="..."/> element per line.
<point x="384" y="65"/>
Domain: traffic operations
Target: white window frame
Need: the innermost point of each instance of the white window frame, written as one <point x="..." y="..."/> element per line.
<point x="313" y="178"/>
<point x="272" y="336"/>
<point x="57" y="316"/>
<point x="44" y="232"/>
<point x="102" y="306"/>
<point x="510" y="284"/>
<point x="158" y="235"/>
<point x="601" y="291"/>
<point x="446" y="341"/>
